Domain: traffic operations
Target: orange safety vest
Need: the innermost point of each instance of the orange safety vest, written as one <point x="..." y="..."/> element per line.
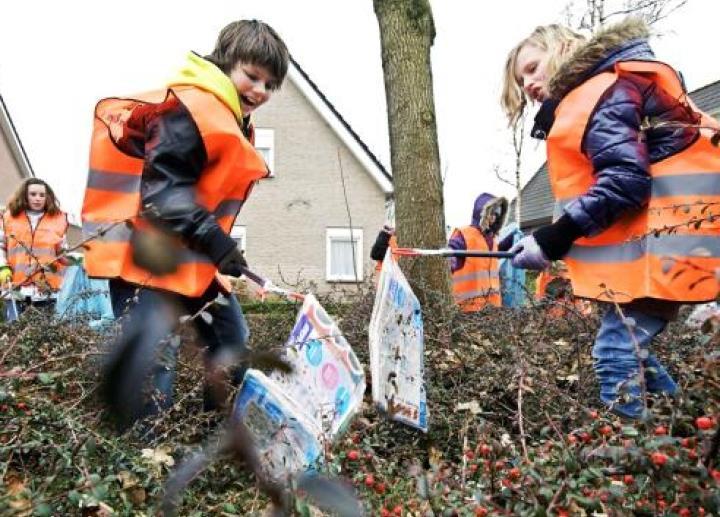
<point x="28" y="250"/>
<point x="635" y="257"/>
<point x="543" y="280"/>
<point x="477" y="283"/>
<point x="113" y="188"/>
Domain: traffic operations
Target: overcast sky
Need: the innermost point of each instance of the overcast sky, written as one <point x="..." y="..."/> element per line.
<point x="56" y="61"/>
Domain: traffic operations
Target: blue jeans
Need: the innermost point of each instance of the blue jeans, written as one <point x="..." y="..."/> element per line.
<point x="617" y="366"/>
<point x="147" y="346"/>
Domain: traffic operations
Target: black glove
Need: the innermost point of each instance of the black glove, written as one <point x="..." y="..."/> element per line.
<point x="233" y="263"/>
<point x="556" y="239"/>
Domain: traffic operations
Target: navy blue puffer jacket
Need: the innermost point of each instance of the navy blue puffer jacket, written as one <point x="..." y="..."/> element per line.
<point x="620" y="152"/>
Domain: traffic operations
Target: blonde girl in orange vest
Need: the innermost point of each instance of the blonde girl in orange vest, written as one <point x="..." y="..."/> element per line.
<point x="32" y="236"/>
<point x="623" y="147"/>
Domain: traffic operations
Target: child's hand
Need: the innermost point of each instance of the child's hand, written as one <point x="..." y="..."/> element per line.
<point x="529" y="255"/>
<point x="234" y="263"/>
<point x="5" y="275"/>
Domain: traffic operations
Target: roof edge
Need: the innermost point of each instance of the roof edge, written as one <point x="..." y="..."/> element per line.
<point x="342" y="128"/>
<point x="16" y="147"/>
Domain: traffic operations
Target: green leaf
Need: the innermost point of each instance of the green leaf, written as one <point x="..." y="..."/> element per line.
<point x="45" y="378"/>
<point x="43" y="510"/>
<point x="629" y="431"/>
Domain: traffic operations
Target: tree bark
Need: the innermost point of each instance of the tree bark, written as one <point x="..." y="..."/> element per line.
<point x="407" y="32"/>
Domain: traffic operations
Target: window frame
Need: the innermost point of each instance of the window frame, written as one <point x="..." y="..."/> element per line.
<point x="265" y="139"/>
<point x="239" y="231"/>
<point x="344" y="233"/>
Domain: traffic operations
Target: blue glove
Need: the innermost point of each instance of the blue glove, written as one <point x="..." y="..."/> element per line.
<point x="529" y="255"/>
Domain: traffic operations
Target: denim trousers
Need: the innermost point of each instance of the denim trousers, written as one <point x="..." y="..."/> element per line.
<point x="149" y="318"/>
<point x="617" y="363"/>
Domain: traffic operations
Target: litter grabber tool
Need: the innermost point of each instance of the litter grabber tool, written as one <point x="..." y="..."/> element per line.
<point x="449" y="252"/>
<point x="265" y="284"/>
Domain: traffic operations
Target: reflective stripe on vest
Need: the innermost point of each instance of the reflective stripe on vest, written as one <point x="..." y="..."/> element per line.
<point x="637" y="257"/>
<point x="113" y="188"/>
<point x="477" y="283"/>
<point x="29" y="250"/>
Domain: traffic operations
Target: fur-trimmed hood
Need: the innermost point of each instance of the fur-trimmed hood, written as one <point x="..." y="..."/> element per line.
<point x="623" y="41"/>
<point x="485" y="204"/>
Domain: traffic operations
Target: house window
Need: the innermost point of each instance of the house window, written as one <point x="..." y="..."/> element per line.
<point x="344" y="246"/>
<point x="265" y="144"/>
<point x="239" y="233"/>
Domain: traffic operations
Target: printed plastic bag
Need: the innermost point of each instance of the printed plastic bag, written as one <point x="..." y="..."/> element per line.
<point x="396" y="349"/>
<point x="319" y="397"/>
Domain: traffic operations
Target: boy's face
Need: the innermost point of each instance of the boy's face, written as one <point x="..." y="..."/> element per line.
<point x="254" y="84"/>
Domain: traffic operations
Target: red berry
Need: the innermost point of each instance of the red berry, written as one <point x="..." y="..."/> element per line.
<point x="684" y="512"/>
<point x="514" y="473"/>
<point x="369" y="480"/>
<point x="499" y="464"/>
<point x="485" y="450"/>
<point x="687" y="442"/>
<point x="397" y="510"/>
<point x="572" y="439"/>
<point x="606" y="430"/>
<point x="692" y="455"/>
<point x="585" y="437"/>
<point x="380" y="488"/>
<point x="353" y="455"/>
<point x="593" y="414"/>
<point x="384" y="512"/>
<point x="715" y="475"/>
<point x="21" y="405"/>
<point x="704" y="422"/>
<point x="658" y="458"/>
<point x="628" y="479"/>
<point x="660" y="430"/>
<point x="481" y="511"/>
<point x="469" y="454"/>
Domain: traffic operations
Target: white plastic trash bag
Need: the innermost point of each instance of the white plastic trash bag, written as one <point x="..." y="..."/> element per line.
<point x="397" y="365"/>
<point x="320" y="396"/>
<point x="286" y="440"/>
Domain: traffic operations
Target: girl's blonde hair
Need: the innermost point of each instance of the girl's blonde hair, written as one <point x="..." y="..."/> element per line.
<point x="558" y="41"/>
<point x="18" y="202"/>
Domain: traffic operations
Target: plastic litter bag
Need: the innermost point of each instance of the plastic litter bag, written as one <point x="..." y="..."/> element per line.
<point x="83" y="296"/>
<point x="292" y="416"/>
<point x="397" y="366"/>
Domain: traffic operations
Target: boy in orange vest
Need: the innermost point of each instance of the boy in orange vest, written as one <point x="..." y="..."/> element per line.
<point x="177" y="163"/>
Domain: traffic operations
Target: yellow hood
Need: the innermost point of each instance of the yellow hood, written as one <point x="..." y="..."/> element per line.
<point x="202" y="73"/>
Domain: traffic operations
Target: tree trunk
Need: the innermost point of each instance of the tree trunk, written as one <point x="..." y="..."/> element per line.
<point x="407" y="32"/>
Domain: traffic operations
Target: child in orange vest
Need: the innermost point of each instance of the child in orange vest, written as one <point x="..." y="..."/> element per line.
<point x="178" y="161"/>
<point x="32" y="235"/>
<point x="615" y="181"/>
<point x="476" y="280"/>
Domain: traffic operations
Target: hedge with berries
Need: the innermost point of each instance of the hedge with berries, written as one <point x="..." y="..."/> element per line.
<point x="515" y="426"/>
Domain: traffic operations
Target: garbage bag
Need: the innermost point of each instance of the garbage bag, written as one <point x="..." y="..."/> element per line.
<point x="397" y="367"/>
<point x="81" y="296"/>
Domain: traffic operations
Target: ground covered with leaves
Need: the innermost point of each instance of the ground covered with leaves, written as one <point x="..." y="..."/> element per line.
<point x="515" y="426"/>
